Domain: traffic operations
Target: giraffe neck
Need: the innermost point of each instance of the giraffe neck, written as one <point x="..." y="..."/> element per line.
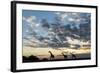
<point x="50" y="53"/>
<point x="62" y="54"/>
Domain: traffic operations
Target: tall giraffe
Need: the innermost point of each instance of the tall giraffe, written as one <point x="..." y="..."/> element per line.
<point x="65" y="56"/>
<point x="51" y="55"/>
<point x="73" y="56"/>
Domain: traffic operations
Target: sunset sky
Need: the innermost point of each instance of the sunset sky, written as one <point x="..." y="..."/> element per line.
<point x="38" y="25"/>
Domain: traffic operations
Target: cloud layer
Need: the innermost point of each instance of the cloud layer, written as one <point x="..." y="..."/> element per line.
<point x="68" y="28"/>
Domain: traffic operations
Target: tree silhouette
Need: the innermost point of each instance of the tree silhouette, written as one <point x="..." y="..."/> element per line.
<point x="44" y="59"/>
<point x="31" y="58"/>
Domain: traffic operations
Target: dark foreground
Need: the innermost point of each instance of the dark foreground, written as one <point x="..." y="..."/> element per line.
<point x="33" y="58"/>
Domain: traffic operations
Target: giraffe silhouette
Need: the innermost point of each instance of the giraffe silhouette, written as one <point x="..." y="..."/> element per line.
<point x="65" y="56"/>
<point x="73" y="56"/>
<point x="51" y="55"/>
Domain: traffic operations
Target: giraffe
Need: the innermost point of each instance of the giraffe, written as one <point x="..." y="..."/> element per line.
<point x="73" y="56"/>
<point x="65" y="56"/>
<point x="51" y="55"/>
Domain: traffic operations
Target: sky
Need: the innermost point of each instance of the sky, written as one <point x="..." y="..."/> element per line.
<point x="36" y="16"/>
<point x="32" y="22"/>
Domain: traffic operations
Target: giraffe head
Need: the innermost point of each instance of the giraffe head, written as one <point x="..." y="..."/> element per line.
<point x="49" y="51"/>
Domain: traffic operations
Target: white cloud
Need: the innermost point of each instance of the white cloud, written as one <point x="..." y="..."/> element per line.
<point x="78" y="20"/>
<point x="31" y="20"/>
<point x="76" y="41"/>
<point x="24" y="18"/>
<point x="57" y="13"/>
<point x="37" y="24"/>
<point x="72" y="41"/>
<point x="68" y="17"/>
<point x="71" y="19"/>
<point x="74" y="13"/>
<point x="62" y="15"/>
<point x="26" y="30"/>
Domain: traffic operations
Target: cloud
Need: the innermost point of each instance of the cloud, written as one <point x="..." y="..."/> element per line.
<point x="74" y="13"/>
<point x="57" y="13"/>
<point x="27" y="31"/>
<point x="72" y="41"/>
<point x="71" y="19"/>
<point x="23" y="18"/>
<point x="31" y="20"/>
<point x="66" y="18"/>
<point x="35" y="25"/>
<point x="61" y="15"/>
<point x="75" y="17"/>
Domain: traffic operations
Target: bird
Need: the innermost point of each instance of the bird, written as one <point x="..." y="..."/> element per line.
<point x="51" y="55"/>
<point x="65" y="56"/>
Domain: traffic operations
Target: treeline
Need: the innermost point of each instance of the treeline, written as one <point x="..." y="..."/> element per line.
<point x="33" y="58"/>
